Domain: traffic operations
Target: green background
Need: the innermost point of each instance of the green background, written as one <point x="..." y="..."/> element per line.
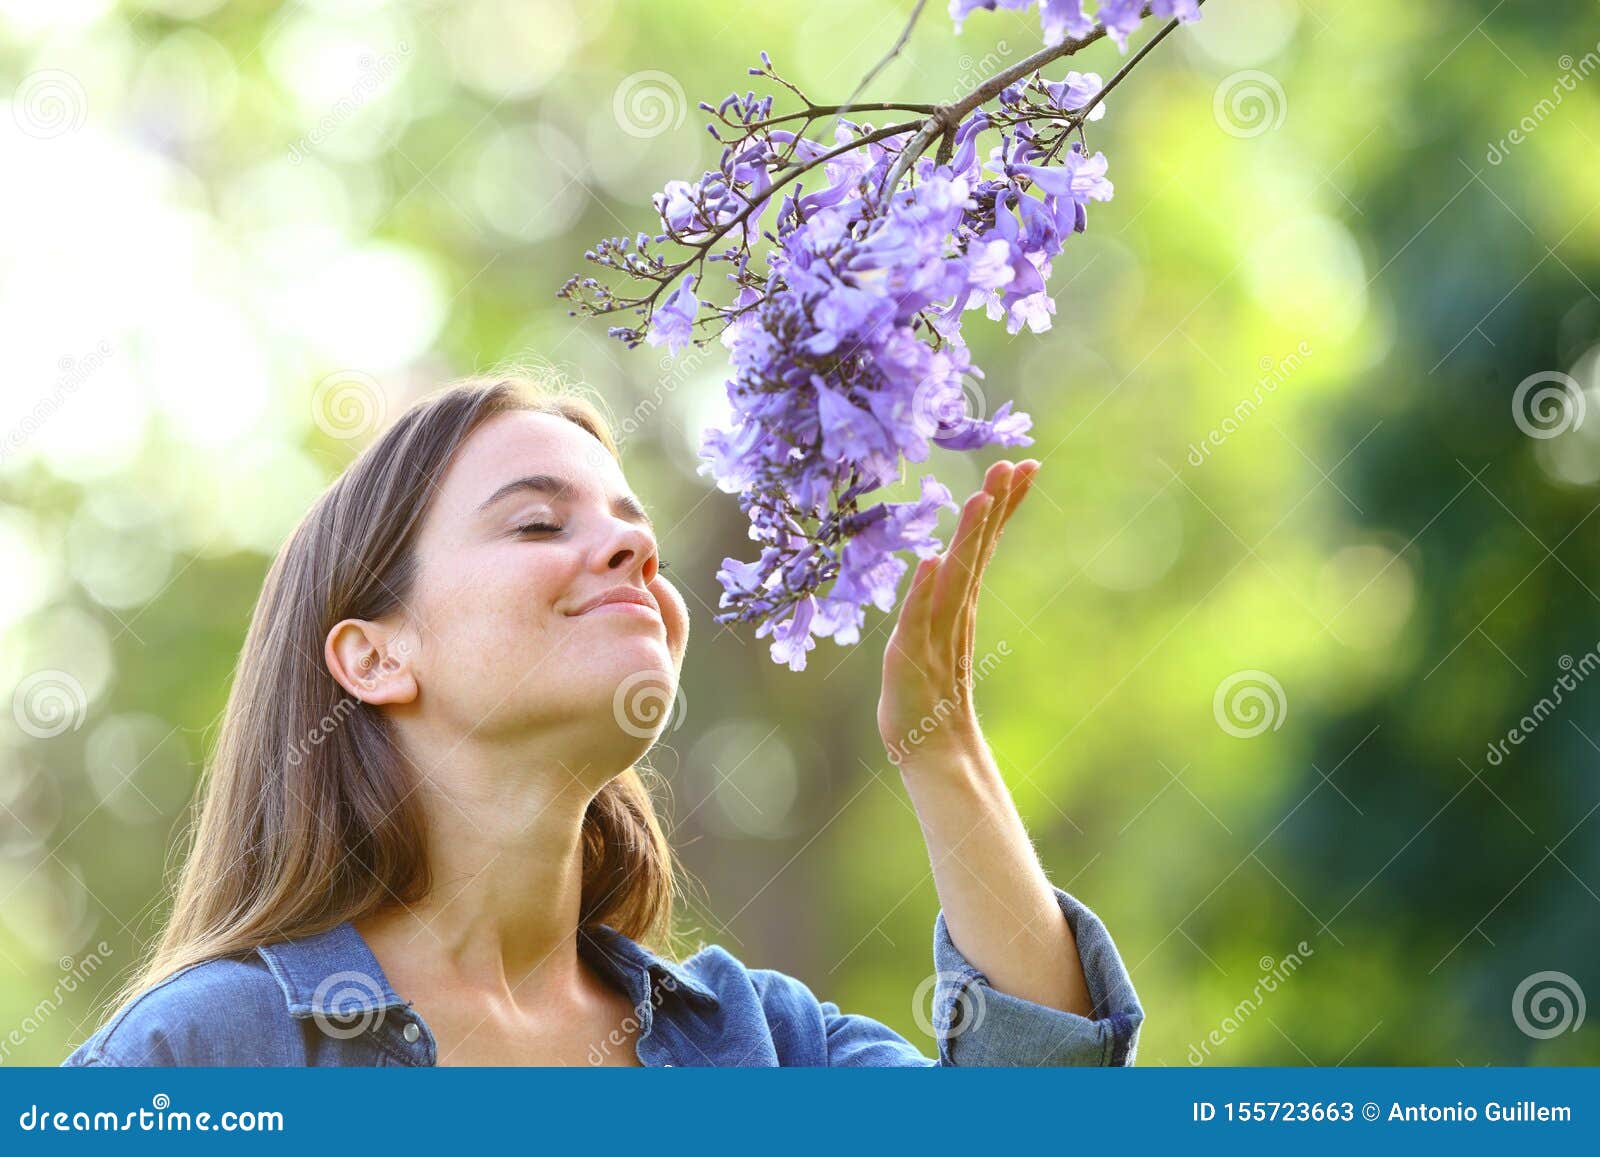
<point x="229" y="211"/>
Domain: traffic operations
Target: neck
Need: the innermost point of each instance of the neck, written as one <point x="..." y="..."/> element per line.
<point x="506" y="856"/>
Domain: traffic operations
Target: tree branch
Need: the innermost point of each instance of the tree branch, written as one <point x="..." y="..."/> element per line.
<point x="949" y="116"/>
<point x="941" y="124"/>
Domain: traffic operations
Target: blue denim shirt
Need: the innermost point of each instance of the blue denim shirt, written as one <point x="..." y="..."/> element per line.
<point x="323" y="1000"/>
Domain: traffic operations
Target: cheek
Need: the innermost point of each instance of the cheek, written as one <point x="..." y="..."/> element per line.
<point x="505" y="592"/>
<point x="674" y="612"/>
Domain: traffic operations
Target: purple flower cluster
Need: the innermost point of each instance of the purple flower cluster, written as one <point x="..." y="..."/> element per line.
<point x="1064" y="18"/>
<point x="844" y="329"/>
<point x="835" y="383"/>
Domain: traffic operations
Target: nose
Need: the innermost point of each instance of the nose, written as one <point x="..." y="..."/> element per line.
<point x="631" y="545"/>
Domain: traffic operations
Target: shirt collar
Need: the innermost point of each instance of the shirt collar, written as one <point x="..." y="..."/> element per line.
<point x="635" y="968"/>
<point x="335" y="974"/>
<point x="330" y="974"/>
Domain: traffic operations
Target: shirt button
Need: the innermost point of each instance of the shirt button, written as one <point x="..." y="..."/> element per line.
<point x="411" y="1032"/>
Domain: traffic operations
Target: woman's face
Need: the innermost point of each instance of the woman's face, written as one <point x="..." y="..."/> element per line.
<point x="532" y="521"/>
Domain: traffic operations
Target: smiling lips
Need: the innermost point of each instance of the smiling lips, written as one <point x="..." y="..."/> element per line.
<point x="622" y="600"/>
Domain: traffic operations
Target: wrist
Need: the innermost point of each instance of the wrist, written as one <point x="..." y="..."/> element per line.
<point x="954" y="788"/>
<point x="944" y="729"/>
<point x="953" y="758"/>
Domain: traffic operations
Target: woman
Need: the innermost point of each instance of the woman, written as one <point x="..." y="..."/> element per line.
<point x="425" y="785"/>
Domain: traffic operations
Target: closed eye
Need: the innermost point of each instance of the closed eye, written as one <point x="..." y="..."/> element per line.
<point x="546" y="528"/>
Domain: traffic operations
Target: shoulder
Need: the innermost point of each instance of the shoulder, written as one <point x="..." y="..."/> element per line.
<point x="226" y="1011"/>
<point x="762" y="1017"/>
<point x="729" y="978"/>
<point x="803" y="1029"/>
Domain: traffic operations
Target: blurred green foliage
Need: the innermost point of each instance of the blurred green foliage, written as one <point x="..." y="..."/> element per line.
<point x="223" y="219"/>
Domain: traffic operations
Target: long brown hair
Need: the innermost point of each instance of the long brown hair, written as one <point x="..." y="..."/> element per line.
<point x="307" y="814"/>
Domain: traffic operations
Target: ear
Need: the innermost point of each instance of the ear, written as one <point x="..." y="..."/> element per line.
<point x="371" y="661"/>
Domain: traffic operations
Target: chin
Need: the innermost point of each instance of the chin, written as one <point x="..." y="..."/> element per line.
<point x="645" y="700"/>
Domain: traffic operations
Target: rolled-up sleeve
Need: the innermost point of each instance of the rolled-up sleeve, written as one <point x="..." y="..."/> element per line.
<point x="976" y="1024"/>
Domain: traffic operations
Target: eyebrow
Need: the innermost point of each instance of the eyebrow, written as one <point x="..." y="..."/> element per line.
<point x="623" y="506"/>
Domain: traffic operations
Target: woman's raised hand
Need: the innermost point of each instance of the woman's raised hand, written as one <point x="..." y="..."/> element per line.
<point x="925" y="711"/>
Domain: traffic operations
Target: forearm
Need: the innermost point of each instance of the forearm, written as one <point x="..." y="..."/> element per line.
<point x="1000" y="909"/>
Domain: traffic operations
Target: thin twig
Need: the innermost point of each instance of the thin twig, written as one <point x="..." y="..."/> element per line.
<point x="905" y="35"/>
<point x="1081" y="115"/>
<point x="668" y="274"/>
<point x="818" y="111"/>
<point x="1133" y="60"/>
